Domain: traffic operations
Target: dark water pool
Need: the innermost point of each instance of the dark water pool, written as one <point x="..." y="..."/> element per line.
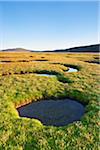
<point x="53" y="112"/>
<point x="39" y="60"/>
<point x="4" y="62"/>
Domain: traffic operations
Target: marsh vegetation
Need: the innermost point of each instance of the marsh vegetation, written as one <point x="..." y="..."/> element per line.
<point x="19" y="85"/>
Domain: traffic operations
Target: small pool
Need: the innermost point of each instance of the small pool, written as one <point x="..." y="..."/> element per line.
<point x="93" y="62"/>
<point x="53" y="112"/>
<point x="72" y="70"/>
<point x="46" y="75"/>
<point x="52" y="75"/>
<point x="39" y="60"/>
<point x="4" y="62"/>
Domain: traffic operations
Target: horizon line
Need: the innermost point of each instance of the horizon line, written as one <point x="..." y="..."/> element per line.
<point x="51" y="49"/>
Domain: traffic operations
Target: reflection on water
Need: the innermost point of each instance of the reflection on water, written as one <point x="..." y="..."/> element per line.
<point x="46" y="75"/>
<point x="72" y="70"/>
<point x="51" y="75"/>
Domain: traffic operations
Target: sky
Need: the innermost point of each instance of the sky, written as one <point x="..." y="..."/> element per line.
<point x="48" y="25"/>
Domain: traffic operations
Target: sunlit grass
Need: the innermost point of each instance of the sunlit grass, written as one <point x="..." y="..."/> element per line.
<point x="19" y="85"/>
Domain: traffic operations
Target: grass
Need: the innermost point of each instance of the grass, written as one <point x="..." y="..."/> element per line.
<point x="19" y="85"/>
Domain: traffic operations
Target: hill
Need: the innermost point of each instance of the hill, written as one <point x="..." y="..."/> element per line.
<point x="16" y="50"/>
<point x="90" y="48"/>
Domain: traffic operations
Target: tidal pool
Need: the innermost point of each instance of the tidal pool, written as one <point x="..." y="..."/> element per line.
<point x="53" y="112"/>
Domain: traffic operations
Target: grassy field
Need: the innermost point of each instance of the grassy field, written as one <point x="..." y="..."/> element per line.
<point x="19" y="85"/>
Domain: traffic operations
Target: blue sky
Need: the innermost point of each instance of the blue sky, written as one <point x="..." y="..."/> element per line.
<point x="48" y="25"/>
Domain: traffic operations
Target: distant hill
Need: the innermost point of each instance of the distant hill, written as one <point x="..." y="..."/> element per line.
<point x="16" y="50"/>
<point x="90" y="48"/>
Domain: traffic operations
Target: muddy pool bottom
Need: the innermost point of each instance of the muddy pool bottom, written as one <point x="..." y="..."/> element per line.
<point x="53" y="112"/>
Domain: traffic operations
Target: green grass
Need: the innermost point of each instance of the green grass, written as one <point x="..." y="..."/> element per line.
<point x="22" y="86"/>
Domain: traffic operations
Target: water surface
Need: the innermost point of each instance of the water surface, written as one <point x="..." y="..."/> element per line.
<point x="72" y="70"/>
<point x="51" y="75"/>
<point x="53" y="112"/>
<point x="45" y="75"/>
<point x="39" y="60"/>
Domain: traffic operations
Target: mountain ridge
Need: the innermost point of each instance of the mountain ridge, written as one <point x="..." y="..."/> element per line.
<point x="89" y="48"/>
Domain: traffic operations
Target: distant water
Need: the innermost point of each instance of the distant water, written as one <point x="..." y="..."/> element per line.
<point x="39" y="60"/>
<point x="4" y="62"/>
<point x="51" y="75"/>
<point x="72" y="70"/>
<point x="53" y="112"/>
<point x="46" y="75"/>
